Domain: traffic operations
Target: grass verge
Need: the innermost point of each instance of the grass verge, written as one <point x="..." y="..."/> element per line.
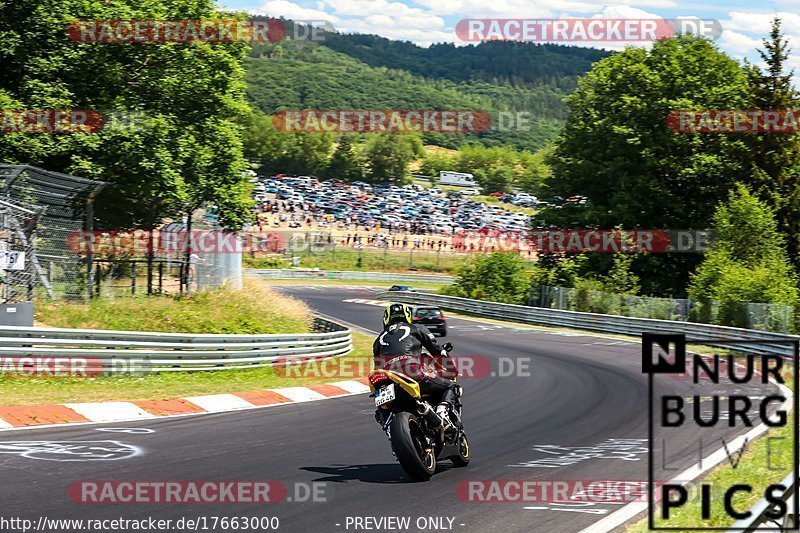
<point x="256" y="309"/>
<point x="373" y="261"/>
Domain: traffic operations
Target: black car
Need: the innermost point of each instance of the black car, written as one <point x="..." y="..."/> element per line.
<point x="432" y="318"/>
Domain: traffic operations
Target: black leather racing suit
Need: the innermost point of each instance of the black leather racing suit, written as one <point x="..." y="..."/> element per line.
<point x="399" y="347"/>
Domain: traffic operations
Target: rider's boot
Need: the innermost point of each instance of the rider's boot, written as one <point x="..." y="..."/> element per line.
<point x="443" y="410"/>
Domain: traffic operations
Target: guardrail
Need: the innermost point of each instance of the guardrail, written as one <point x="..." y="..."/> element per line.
<point x="759" y="511"/>
<point x="133" y="351"/>
<point x="757" y="342"/>
<point x="285" y="273"/>
<point x="622" y="325"/>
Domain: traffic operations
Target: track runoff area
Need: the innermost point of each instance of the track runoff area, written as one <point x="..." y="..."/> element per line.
<point x="568" y="431"/>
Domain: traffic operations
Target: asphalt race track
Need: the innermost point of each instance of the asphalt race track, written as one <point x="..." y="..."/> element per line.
<point x="581" y="391"/>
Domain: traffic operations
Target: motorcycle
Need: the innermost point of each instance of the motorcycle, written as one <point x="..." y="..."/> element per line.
<point x="416" y="432"/>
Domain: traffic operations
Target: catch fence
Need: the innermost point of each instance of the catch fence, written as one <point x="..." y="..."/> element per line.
<point x="757" y="316"/>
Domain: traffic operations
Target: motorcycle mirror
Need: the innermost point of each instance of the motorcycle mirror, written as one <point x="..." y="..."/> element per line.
<point x="448" y="346"/>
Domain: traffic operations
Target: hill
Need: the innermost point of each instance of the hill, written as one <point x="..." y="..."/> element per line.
<point x="369" y="72"/>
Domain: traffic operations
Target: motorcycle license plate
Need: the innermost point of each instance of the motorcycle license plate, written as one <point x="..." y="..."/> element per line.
<point x="385" y="395"/>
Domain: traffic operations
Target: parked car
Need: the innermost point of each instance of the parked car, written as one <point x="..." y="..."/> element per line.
<point x="432" y="318"/>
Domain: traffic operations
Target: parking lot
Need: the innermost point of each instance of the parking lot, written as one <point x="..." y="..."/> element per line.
<point x="303" y="202"/>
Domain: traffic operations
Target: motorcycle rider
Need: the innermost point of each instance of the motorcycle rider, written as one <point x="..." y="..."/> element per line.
<point x="401" y="343"/>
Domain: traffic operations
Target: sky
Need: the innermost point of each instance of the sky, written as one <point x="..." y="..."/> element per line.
<point x="744" y="23"/>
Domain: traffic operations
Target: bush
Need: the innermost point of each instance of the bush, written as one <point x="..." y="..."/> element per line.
<point x="499" y="277"/>
<point x="265" y="262"/>
<point x="748" y="263"/>
<point x="591" y="296"/>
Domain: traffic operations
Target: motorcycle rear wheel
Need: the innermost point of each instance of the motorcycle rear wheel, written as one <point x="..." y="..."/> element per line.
<point x="464" y="455"/>
<point x="408" y="444"/>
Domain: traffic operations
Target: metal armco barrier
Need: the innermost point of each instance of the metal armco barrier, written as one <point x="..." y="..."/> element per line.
<point x="132" y="351"/>
<point x="706" y="334"/>
<point x="622" y="325"/>
<point x="760" y="510"/>
<point x="285" y="273"/>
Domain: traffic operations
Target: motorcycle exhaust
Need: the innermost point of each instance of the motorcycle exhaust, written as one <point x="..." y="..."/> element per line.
<point x="430" y="416"/>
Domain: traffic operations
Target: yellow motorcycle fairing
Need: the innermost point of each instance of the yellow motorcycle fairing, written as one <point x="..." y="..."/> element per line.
<point x="405" y="382"/>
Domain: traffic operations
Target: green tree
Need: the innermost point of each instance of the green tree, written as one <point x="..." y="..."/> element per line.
<point x="259" y="137"/>
<point x="495" y="179"/>
<point x="346" y="163"/>
<point x="313" y="152"/>
<point x="173" y="108"/>
<point x="498" y="277"/>
<point x="748" y="261"/>
<point x="435" y="162"/>
<point x="558" y="269"/>
<point x="283" y="152"/>
<point x="501" y="168"/>
<point x="617" y="150"/>
<point x="533" y="170"/>
<point x="777" y="156"/>
<point x="388" y="155"/>
<point x="620" y="278"/>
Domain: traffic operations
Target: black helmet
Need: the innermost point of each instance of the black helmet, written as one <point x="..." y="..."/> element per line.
<point x="396" y="313"/>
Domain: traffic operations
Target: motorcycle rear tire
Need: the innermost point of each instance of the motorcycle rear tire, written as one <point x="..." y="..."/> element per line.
<point x="420" y="466"/>
<point x="464" y="455"/>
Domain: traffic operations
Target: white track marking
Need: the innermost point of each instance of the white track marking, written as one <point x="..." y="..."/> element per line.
<point x="621" y="516"/>
<point x="215" y="403"/>
<point x="351" y="386"/>
<point x="109" y="411"/>
<point x="300" y="394"/>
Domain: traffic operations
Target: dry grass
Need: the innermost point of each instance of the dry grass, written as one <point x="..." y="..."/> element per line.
<point x="256" y="309"/>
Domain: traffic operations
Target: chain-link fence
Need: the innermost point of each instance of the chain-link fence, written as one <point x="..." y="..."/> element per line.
<point x="172" y="259"/>
<point x="58" y="206"/>
<point x="18" y="263"/>
<point x="326" y="251"/>
<point x="130" y="277"/>
<point x="760" y="316"/>
<point x="47" y="218"/>
<point x="210" y="255"/>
